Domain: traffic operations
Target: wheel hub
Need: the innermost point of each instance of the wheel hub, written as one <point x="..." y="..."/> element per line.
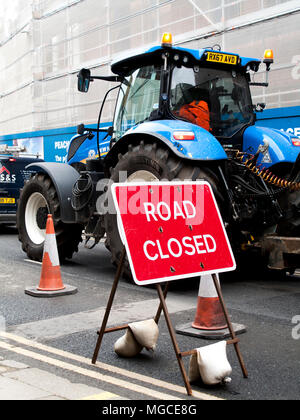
<point x="41" y="217"/>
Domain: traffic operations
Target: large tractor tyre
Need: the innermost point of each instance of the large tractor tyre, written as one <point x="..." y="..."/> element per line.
<point x="38" y="199"/>
<point x="149" y="162"/>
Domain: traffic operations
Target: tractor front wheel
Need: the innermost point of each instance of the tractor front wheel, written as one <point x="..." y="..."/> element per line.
<point x="38" y="199"/>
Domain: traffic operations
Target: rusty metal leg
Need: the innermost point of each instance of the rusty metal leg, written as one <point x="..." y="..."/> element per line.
<point x="233" y="335"/>
<point x="173" y="338"/>
<point x="160" y="308"/>
<point x="109" y="305"/>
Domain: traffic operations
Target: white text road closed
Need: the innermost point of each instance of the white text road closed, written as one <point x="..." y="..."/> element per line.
<point x="173" y="230"/>
<point x="199" y="244"/>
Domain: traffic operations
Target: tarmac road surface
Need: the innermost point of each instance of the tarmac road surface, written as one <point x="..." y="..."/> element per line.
<point x="51" y="341"/>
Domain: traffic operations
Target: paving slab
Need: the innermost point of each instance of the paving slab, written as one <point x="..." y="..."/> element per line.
<point x="53" y="385"/>
<point x="14" y="365"/>
<point x="12" y="390"/>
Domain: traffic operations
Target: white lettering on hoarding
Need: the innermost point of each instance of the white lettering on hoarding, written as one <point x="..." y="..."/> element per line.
<point x="293" y="131"/>
<point x="59" y="145"/>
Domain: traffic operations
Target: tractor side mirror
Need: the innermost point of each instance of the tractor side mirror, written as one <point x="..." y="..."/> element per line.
<point x="84" y="79"/>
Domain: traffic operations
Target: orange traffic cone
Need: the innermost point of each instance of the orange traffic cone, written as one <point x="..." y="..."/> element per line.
<point x="209" y="314"/>
<point x="51" y="283"/>
<point x="210" y="322"/>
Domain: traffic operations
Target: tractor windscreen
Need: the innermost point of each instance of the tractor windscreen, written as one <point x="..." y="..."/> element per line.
<point x="217" y="100"/>
<point x="138" y="98"/>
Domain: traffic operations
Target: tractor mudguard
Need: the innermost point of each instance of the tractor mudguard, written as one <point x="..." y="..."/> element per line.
<point x="281" y="148"/>
<point x="63" y="177"/>
<point x="205" y="147"/>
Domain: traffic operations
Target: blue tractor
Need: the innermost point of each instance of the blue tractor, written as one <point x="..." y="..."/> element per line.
<point x="180" y="114"/>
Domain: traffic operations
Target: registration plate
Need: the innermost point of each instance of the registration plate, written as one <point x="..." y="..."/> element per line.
<point x="7" y="200"/>
<point x="222" y="58"/>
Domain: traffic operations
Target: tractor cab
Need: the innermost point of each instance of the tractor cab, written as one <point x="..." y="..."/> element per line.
<point x="207" y="88"/>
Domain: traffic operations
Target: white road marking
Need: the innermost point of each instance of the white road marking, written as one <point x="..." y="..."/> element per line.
<point x="33" y="262"/>
<point x="103" y="396"/>
<point x="53" y="384"/>
<point x="89" y="373"/>
<point x="112" y="369"/>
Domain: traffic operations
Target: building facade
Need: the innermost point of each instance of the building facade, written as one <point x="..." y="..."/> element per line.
<point x="44" y="43"/>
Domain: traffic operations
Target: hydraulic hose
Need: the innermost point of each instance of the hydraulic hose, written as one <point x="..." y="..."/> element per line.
<point x="78" y="192"/>
<point x="265" y="174"/>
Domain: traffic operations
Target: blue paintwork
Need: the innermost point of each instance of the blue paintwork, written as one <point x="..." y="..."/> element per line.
<point x="196" y="54"/>
<point x="56" y="141"/>
<point x="281" y="147"/>
<point x="89" y="149"/>
<point x="204" y="147"/>
<point x="246" y="60"/>
<point x="285" y="119"/>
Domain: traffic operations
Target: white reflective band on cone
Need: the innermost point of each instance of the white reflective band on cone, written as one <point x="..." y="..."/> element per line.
<point x="51" y="248"/>
<point x="207" y="287"/>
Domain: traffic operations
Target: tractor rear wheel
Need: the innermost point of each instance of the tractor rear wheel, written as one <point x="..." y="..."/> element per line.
<point x="150" y="162"/>
<point x="38" y="199"/>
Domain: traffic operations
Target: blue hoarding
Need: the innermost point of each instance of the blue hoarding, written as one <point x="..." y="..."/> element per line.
<point x="52" y="145"/>
<point x="286" y="119"/>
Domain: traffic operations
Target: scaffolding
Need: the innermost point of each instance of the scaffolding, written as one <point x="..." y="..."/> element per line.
<point x="43" y="44"/>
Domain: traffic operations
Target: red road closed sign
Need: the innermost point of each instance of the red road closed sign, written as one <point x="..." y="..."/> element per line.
<point x="171" y="230"/>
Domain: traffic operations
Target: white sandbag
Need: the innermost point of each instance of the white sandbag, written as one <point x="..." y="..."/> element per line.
<point x="194" y="373"/>
<point x="127" y="346"/>
<point x="146" y="333"/>
<point x="213" y="364"/>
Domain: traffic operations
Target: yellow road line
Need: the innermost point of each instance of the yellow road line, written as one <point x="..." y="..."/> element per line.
<point x="104" y="396"/>
<point x="109" y="368"/>
<point x="89" y="373"/>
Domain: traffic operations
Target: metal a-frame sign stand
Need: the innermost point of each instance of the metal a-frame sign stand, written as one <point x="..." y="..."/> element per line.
<point x="136" y="230"/>
<point x="163" y="307"/>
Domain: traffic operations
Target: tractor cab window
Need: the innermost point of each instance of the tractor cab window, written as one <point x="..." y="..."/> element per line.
<point x="217" y="100"/>
<point x="138" y="98"/>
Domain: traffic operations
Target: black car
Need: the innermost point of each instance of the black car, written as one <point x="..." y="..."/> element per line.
<point x="13" y="174"/>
